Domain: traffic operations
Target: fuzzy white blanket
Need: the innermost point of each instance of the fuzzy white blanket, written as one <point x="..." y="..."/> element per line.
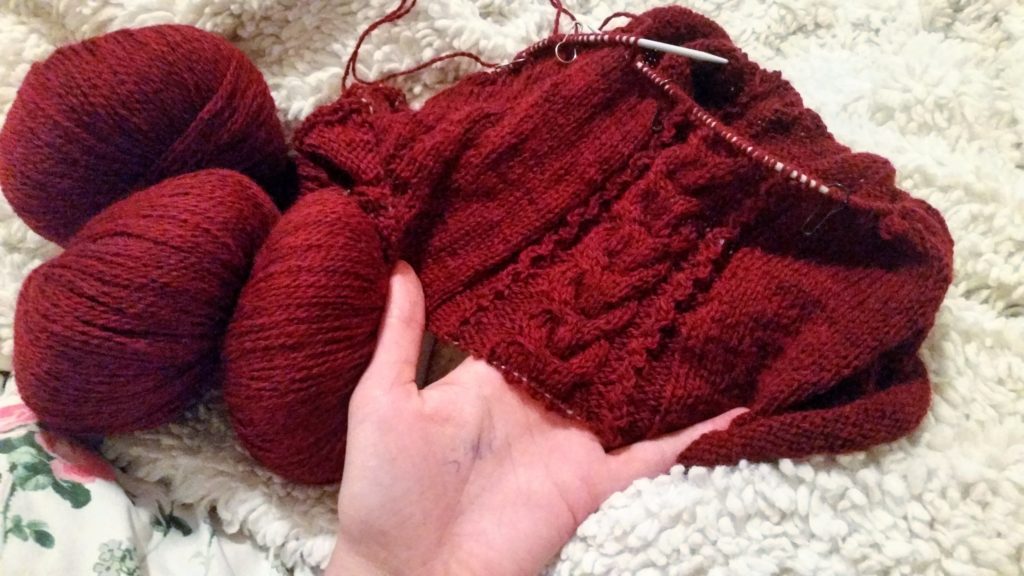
<point x="934" y="85"/>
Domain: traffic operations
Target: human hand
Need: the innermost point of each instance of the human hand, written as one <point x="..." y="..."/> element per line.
<point x="469" y="475"/>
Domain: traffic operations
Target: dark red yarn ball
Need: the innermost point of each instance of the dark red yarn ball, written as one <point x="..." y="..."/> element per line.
<point x="123" y="111"/>
<point x="122" y="331"/>
<point x="303" y="331"/>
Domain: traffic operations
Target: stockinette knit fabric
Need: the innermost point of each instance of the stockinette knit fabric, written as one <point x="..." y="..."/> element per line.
<point x="623" y="251"/>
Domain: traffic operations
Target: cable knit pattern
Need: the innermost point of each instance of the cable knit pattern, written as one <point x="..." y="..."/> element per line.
<point x="611" y="247"/>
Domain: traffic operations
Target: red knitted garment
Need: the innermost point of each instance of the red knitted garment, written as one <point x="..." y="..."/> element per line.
<point x="642" y="241"/>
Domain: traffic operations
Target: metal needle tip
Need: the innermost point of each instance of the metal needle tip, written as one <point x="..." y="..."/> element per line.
<point x="680" y="51"/>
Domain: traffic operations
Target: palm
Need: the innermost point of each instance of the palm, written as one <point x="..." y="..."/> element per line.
<point x="469" y="475"/>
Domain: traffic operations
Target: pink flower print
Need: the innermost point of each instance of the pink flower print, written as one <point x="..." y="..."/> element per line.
<point x="15" y="415"/>
<point x="74" y="462"/>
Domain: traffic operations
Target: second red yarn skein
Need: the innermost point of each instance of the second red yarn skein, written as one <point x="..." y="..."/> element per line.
<point x="123" y="330"/>
<point x="303" y="331"/>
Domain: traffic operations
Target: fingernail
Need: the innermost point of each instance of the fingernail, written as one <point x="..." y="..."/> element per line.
<point x="728" y="417"/>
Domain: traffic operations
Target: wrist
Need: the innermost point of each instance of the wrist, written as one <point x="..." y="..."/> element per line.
<point x="346" y="562"/>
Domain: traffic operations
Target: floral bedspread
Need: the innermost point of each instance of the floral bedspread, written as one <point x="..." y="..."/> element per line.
<point x="65" y="510"/>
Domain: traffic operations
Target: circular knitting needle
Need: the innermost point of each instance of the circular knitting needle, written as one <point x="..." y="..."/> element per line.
<point x="680" y="51"/>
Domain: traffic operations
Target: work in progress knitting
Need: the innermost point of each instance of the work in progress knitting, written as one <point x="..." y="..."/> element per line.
<point x="639" y="239"/>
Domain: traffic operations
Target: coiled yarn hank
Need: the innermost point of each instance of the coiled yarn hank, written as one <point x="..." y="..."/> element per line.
<point x="123" y="111"/>
<point x="122" y="331"/>
<point x="302" y="334"/>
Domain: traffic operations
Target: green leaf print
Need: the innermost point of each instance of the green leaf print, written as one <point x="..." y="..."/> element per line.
<point x="33" y="476"/>
<point x="17" y="528"/>
<point x="180" y="525"/>
<point x="76" y="494"/>
<point x="39" y="533"/>
<point x="35" y="525"/>
<point x="31" y="470"/>
<point x="8" y="445"/>
<point x="165" y="521"/>
<point x="33" y="530"/>
<point x="30" y="465"/>
<point x="25" y="455"/>
<point x="22" y="455"/>
<point x="43" y="538"/>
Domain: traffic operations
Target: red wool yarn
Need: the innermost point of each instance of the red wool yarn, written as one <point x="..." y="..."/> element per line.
<point x="642" y="241"/>
<point x="638" y="240"/>
<point x="122" y="331"/>
<point x="123" y="111"/>
<point x="302" y="334"/>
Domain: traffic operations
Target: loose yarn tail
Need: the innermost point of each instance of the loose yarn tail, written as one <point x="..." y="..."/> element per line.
<point x="559" y="10"/>
<point x="351" y="69"/>
<point x="628" y="15"/>
<point x="403" y="8"/>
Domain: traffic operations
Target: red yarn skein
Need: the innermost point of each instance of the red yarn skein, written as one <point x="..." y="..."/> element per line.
<point x="303" y="331"/>
<point x="123" y="111"/>
<point x="122" y="331"/>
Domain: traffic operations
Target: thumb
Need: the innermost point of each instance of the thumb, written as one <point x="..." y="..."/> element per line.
<point x="393" y="365"/>
<point x="656" y="456"/>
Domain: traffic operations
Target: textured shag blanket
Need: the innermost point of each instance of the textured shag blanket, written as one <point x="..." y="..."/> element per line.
<point x="934" y="85"/>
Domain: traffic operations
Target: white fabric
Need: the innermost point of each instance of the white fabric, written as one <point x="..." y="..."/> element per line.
<point x="934" y="85"/>
<point x="65" y="510"/>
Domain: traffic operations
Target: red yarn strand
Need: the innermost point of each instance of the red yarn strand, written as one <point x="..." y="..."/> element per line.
<point x="403" y="8"/>
<point x="351" y="68"/>
<point x="559" y="10"/>
<point x="615" y="15"/>
<point x="435" y="60"/>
